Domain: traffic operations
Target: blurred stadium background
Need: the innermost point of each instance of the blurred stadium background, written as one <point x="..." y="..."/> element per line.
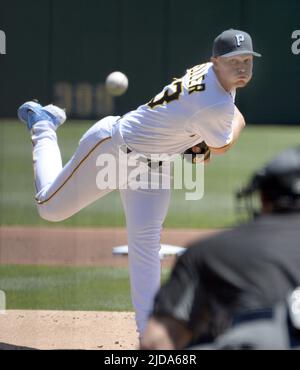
<point x="62" y="51"/>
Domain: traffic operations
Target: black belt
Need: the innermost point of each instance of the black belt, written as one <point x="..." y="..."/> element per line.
<point x="149" y="162"/>
<point x="269" y="314"/>
<point x="259" y="314"/>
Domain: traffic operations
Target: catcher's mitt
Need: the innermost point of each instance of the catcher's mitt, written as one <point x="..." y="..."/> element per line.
<point x="200" y="148"/>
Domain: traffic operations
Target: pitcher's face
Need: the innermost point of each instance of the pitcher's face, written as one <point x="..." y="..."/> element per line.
<point x="234" y="72"/>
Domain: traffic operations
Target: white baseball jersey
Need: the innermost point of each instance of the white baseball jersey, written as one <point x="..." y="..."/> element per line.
<point x="188" y="111"/>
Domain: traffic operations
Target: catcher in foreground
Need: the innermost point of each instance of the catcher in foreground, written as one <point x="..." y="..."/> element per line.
<point x="240" y="288"/>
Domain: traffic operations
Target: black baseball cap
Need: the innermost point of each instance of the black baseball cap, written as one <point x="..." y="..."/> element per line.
<point x="233" y="42"/>
<point x="279" y="179"/>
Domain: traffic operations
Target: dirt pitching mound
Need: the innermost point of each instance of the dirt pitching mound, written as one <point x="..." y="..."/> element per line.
<point x="72" y="247"/>
<point x="49" y="330"/>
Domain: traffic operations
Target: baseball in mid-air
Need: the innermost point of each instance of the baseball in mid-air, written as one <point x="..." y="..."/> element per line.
<point x="116" y="83"/>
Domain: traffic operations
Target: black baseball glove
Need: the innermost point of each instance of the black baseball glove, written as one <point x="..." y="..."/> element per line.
<point x="200" y="148"/>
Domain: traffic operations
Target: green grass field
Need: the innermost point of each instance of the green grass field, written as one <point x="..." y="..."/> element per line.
<point x="222" y="177"/>
<point x="66" y="288"/>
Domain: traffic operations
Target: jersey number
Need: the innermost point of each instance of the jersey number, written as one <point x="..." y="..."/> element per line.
<point x="172" y="92"/>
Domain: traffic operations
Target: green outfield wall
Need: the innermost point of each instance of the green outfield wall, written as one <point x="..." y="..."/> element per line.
<point x="61" y="51"/>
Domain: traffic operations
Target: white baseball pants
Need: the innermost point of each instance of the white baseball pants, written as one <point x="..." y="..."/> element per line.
<point x="63" y="191"/>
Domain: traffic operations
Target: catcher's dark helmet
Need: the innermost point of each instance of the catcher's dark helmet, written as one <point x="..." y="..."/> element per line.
<point x="279" y="181"/>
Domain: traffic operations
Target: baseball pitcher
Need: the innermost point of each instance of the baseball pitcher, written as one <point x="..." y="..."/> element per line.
<point x="196" y="111"/>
